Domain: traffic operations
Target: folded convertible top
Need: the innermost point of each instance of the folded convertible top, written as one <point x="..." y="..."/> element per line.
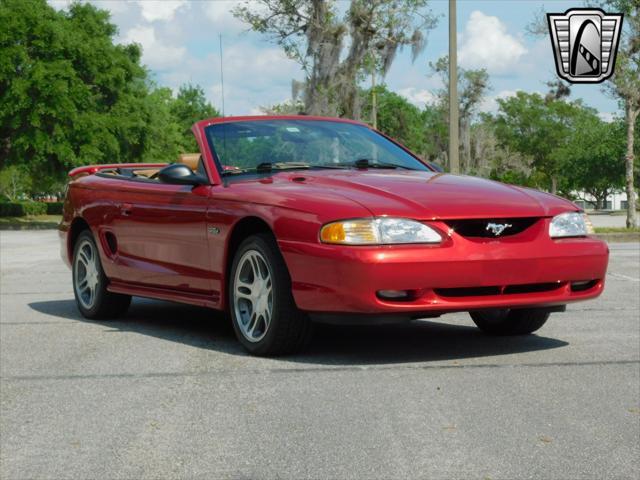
<point x="91" y="169"/>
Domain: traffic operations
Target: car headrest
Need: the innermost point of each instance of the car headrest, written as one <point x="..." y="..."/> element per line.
<point x="190" y="160"/>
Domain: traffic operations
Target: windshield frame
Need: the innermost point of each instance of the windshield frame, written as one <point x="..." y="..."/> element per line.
<point x="223" y="174"/>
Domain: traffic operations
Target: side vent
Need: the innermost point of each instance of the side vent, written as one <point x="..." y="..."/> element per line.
<point x="112" y="243"/>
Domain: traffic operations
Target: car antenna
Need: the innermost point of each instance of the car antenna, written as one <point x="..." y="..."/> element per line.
<point x="221" y="73"/>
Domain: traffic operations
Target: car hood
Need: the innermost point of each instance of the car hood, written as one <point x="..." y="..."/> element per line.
<point x="426" y="195"/>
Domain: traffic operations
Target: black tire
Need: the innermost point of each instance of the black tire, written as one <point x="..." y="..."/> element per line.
<point x="510" y="322"/>
<point x="289" y="330"/>
<point x="103" y="304"/>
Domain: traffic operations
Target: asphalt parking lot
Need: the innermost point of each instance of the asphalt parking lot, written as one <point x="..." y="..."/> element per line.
<point x="168" y="393"/>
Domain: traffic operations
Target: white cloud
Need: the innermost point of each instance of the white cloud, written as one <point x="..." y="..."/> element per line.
<point x="112" y="6"/>
<point x="607" y="116"/>
<point x="165" y="10"/>
<point x="254" y="76"/>
<point x="419" y="97"/>
<point x="490" y="104"/>
<point x="219" y="13"/>
<point x="155" y="53"/>
<point x="485" y="43"/>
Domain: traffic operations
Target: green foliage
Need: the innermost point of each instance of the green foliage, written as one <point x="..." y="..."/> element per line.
<point x="64" y="87"/>
<point x="21" y="209"/>
<point x="54" y="208"/>
<point x="189" y="107"/>
<point x="289" y="107"/>
<point x="162" y="134"/>
<point x="537" y="127"/>
<point x="593" y="158"/>
<point x="70" y="96"/>
<point x="15" y="182"/>
<point x="397" y="118"/>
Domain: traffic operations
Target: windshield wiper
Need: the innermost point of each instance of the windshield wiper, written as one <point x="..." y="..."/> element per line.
<point x="363" y="163"/>
<point x="266" y="167"/>
<point x="340" y="166"/>
<point x="269" y="167"/>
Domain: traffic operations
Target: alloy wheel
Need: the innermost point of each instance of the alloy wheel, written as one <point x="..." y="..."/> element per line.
<point x="86" y="274"/>
<point x="253" y="295"/>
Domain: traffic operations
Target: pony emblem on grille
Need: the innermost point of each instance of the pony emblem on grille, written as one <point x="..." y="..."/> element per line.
<point x="497" y="228"/>
<point x="585" y="43"/>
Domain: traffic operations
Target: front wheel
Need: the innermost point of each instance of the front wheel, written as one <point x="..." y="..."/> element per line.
<point x="265" y="317"/>
<point x="510" y="322"/>
<point x="90" y="283"/>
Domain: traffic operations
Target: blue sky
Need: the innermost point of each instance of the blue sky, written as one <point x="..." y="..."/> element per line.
<point x="180" y="45"/>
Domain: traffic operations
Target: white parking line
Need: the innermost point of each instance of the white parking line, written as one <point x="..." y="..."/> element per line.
<point x="623" y="277"/>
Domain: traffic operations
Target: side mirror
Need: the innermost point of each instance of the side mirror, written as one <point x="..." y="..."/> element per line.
<point x="436" y="166"/>
<point x="180" y="174"/>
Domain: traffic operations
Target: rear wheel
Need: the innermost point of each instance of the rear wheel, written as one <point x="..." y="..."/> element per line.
<point x="510" y="322"/>
<point x="90" y="283"/>
<point x="265" y="317"/>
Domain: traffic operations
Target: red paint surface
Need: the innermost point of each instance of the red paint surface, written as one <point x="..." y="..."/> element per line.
<point x="165" y="251"/>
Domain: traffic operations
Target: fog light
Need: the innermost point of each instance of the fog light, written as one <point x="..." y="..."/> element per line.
<point x="583" y="285"/>
<point x="394" y="294"/>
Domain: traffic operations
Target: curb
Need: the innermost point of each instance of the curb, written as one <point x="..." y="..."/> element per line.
<point x="619" y="237"/>
<point x="30" y="226"/>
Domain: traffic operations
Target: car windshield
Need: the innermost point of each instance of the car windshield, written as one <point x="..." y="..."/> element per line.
<point x="266" y="145"/>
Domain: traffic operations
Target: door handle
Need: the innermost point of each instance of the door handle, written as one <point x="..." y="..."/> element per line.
<point x="126" y="209"/>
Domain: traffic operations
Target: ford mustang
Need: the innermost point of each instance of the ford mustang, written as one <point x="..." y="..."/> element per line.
<point x="290" y="220"/>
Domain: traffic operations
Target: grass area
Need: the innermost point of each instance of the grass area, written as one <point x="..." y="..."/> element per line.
<point x="617" y="230"/>
<point x="36" y="221"/>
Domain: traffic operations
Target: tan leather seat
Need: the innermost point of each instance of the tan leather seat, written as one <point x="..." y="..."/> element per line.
<point x="190" y="160"/>
<point x="148" y="172"/>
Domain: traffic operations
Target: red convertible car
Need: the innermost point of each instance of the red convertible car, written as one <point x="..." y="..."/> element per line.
<point x="284" y="221"/>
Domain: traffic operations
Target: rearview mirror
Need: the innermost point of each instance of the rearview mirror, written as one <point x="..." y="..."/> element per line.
<point x="180" y="174"/>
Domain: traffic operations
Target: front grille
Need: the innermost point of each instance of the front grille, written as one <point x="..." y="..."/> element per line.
<point x="482" y="227"/>
<point x="497" y="290"/>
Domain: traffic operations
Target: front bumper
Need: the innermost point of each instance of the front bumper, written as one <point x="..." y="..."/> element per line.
<point x="461" y="274"/>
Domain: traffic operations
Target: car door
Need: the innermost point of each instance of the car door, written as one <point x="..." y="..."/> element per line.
<point x="161" y="232"/>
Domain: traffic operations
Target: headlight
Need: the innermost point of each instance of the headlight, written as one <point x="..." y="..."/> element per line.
<point x="572" y="224"/>
<point x="378" y="231"/>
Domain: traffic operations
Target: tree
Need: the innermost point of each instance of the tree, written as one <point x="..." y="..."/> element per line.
<point x="70" y="96"/>
<point x="436" y="131"/>
<point x="189" y="107"/>
<point x="398" y="118"/>
<point x="14" y="182"/>
<point x="625" y="85"/>
<point x="289" y="107"/>
<point x="472" y="87"/>
<point x="497" y="161"/>
<point x="537" y="127"/>
<point x="163" y="136"/>
<point x="594" y="155"/>
<point x="313" y="33"/>
<point x="558" y="90"/>
<point x="64" y="87"/>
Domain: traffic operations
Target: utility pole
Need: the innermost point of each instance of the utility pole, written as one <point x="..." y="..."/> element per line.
<point x="454" y="134"/>
<point x="374" y="100"/>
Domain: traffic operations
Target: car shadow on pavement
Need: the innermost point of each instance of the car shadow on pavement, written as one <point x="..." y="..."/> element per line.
<point x="420" y="341"/>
